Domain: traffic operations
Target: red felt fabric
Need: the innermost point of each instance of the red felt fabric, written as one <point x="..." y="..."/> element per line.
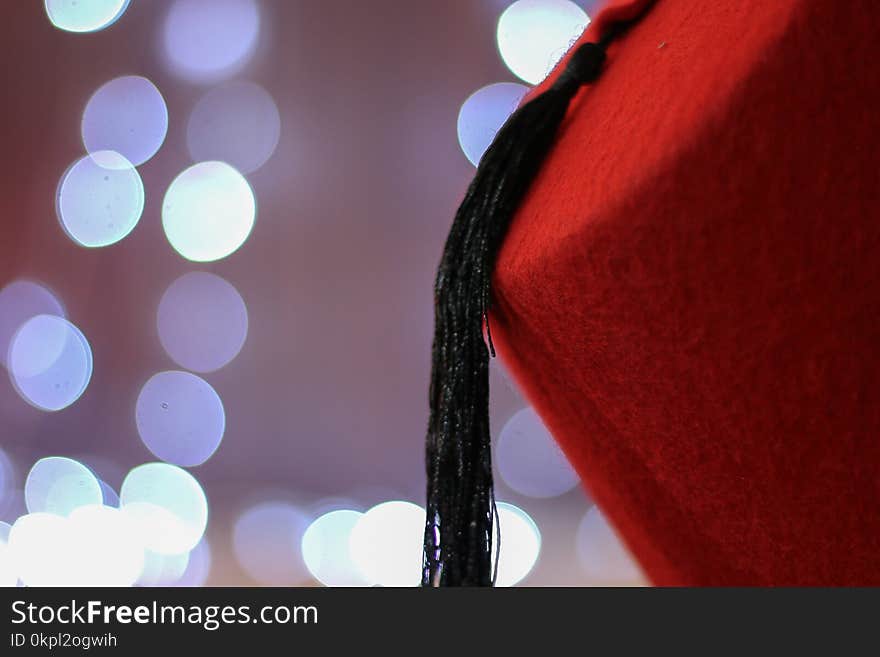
<point x="690" y="294"/>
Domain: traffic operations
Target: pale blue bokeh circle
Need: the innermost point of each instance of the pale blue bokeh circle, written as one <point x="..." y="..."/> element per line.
<point x="167" y="505"/>
<point x="84" y="15"/>
<point x="208" y="40"/>
<point x="533" y="35"/>
<point x="49" y="362"/>
<point x="126" y="115"/>
<point x="483" y="114"/>
<point x="530" y="461"/>
<point x="60" y="485"/>
<point x="180" y="418"/>
<point x="208" y="211"/>
<point x="20" y="301"/>
<point x="237" y="122"/>
<point x="202" y="321"/>
<point x="326" y="549"/>
<point x="100" y="199"/>
<point x="267" y="540"/>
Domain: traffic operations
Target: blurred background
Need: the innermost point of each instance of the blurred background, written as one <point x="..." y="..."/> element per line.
<point x="221" y="221"/>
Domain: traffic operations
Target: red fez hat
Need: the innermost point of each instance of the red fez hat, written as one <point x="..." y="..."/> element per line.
<point x="684" y="280"/>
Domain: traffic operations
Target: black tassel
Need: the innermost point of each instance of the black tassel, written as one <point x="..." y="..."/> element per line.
<point x="461" y="511"/>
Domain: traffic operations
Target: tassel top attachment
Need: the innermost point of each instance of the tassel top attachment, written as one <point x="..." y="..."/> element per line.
<point x="583" y="67"/>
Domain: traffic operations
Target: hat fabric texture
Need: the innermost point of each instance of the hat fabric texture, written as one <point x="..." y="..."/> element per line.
<point x="689" y="294"/>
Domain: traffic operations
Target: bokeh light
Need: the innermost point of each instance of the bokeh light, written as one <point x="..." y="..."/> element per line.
<point x="167" y="505"/>
<point x="238" y="123"/>
<point x="153" y="531"/>
<point x="7" y="473"/>
<point x="530" y="461"/>
<point x="520" y="544"/>
<point x="267" y="539"/>
<point x="93" y="546"/>
<point x="603" y="557"/>
<point x="325" y="505"/>
<point x="40" y="549"/>
<point x="19" y="302"/>
<point x="108" y="496"/>
<point x="386" y="544"/>
<point x="483" y="114"/>
<point x="327" y="551"/>
<point x="50" y="362"/>
<point x="207" y="40"/>
<point x="84" y="15"/>
<point x="533" y="35"/>
<point x="180" y="418"/>
<point x="128" y="116"/>
<point x="60" y="485"/>
<point x="103" y="464"/>
<point x="202" y="321"/>
<point x="100" y="199"/>
<point x="163" y="569"/>
<point x="8" y="571"/>
<point x="106" y="550"/>
<point x="198" y="566"/>
<point x="12" y="505"/>
<point x="208" y="211"/>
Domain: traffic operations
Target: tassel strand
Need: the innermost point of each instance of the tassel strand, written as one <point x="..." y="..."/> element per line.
<point x="462" y="516"/>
